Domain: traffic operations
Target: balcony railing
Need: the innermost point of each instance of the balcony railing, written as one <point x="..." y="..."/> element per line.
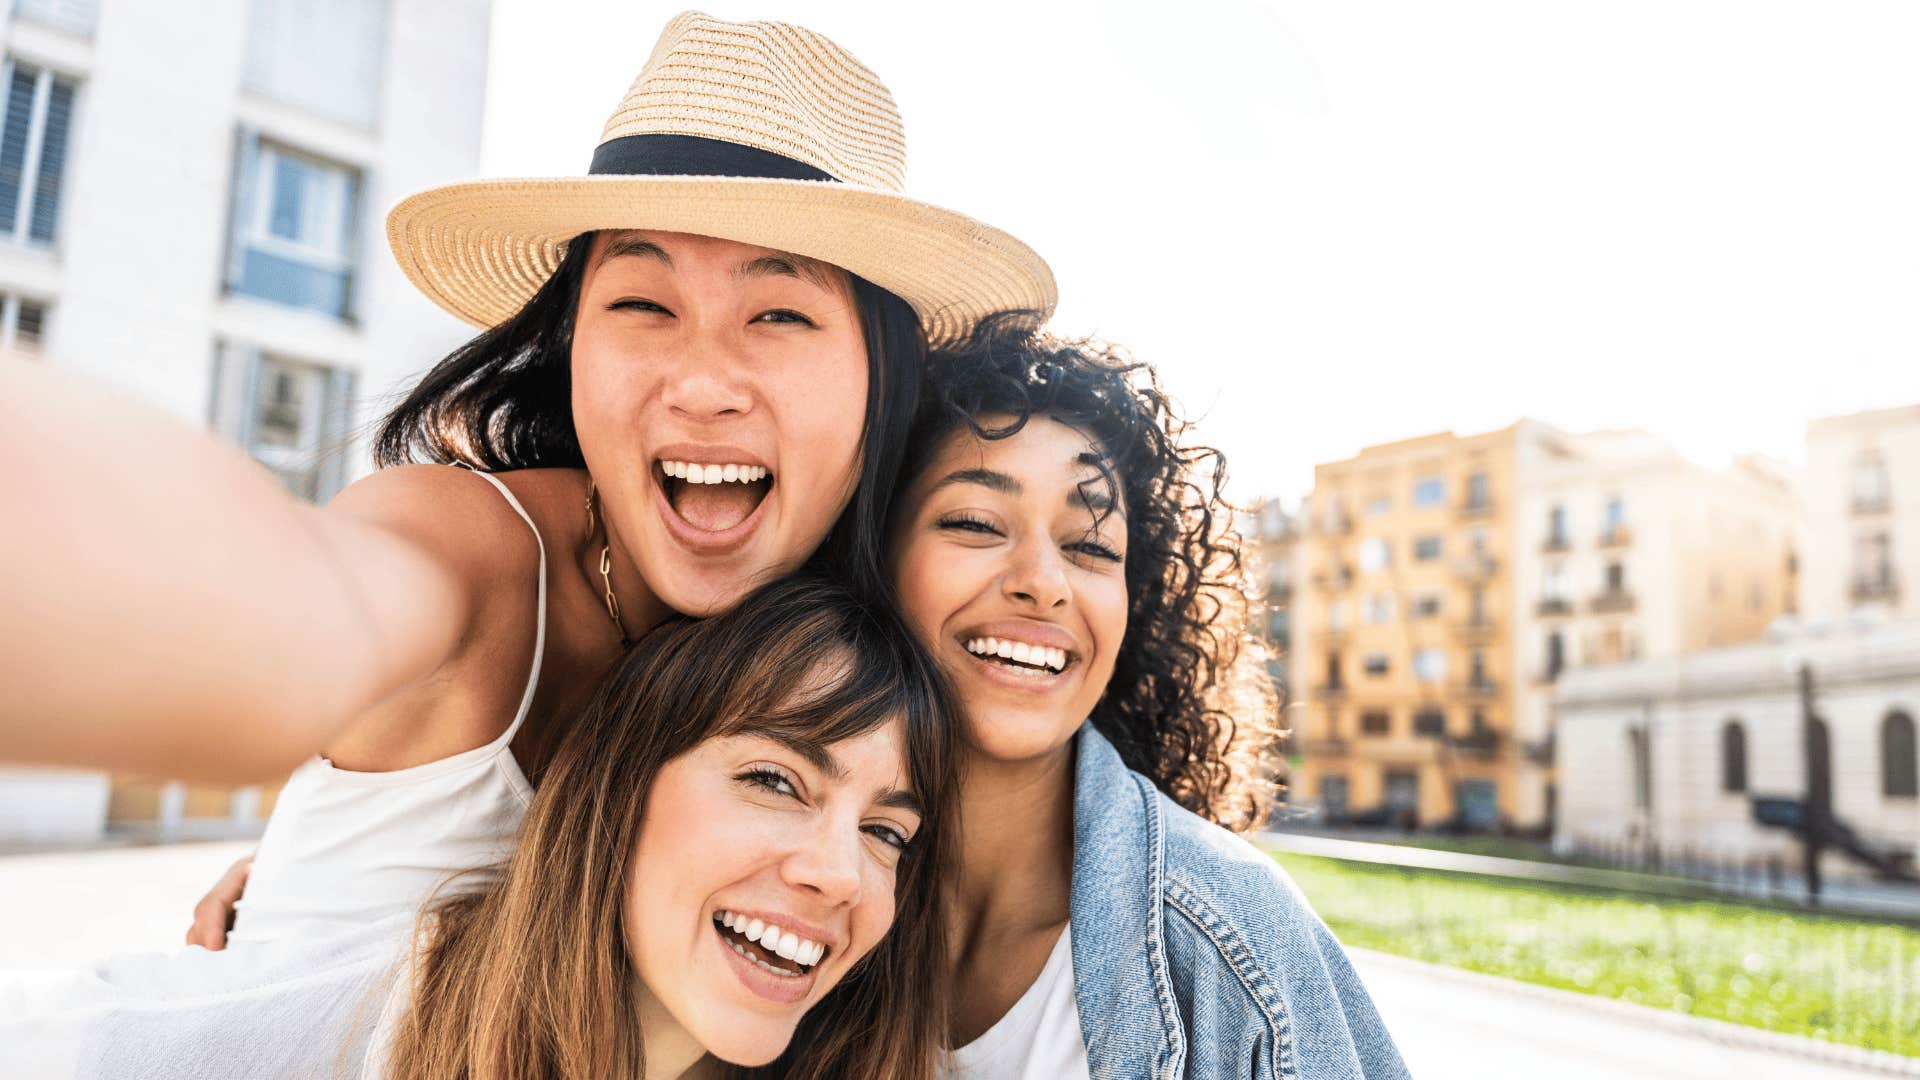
<point x="1477" y="629"/>
<point x="1611" y="601"/>
<point x="1551" y="672"/>
<point x="1554" y="605"/>
<point x="1324" y="745"/>
<point x="1480" y="743"/>
<point x="1476" y="566"/>
<point x="1876" y="503"/>
<point x="1618" y="536"/>
<point x="1880" y="586"/>
<point x="1476" y="508"/>
<point x="1482" y="687"/>
<point x="1334" y="579"/>
<point x="1557" y="542"/>
<point x="1330" y="691"/>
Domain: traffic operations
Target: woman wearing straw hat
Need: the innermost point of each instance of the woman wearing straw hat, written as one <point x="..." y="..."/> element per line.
<point x="699" y="365"/>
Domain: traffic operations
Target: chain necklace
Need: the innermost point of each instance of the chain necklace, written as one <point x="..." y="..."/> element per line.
<point x="606" y="570"/>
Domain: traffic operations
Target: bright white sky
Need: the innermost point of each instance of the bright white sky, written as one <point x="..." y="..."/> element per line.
<point x="1342" y="222"/>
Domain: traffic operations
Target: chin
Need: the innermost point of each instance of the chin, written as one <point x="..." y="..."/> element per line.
<point x="1014" y="739"/>
<point x="746" y="1049"/>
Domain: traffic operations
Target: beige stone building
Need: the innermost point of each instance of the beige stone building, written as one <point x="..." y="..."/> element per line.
<point x="1445" y="581"/>
<point x="1627" y="550"/>
<point x="1863" y="514"/>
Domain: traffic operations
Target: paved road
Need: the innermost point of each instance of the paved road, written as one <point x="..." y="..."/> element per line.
<point x="63" y="910"/>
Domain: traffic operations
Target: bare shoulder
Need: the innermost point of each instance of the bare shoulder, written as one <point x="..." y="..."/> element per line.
<point x="452" y="513"/>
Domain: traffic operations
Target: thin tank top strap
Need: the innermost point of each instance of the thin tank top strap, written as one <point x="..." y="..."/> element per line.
<point x="539" y="611"/>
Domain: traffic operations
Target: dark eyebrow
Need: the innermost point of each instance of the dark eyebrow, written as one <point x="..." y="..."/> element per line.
<point x="625" y="244"/>
<point x="785" y="265"/>
<point x="1094" y="494"/>
<point x="821" y="758"/>
<point x="993" y="481"/>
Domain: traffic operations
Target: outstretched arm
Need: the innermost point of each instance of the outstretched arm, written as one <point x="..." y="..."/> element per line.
<point x="166" y="607"/>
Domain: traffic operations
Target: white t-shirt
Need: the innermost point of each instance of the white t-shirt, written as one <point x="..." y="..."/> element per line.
<point x="1039" y="1038"/>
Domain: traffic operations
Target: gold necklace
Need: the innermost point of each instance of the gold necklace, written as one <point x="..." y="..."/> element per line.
<point x="606" y="571"/>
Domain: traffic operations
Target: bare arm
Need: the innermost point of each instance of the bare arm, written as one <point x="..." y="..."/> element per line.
<point x="165" y="607"/>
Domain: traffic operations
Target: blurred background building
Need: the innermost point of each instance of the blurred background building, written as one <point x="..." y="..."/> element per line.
<point x="1449" y="581"/>
<point x="1671" y="754"/>
<point x="191" y="207"/>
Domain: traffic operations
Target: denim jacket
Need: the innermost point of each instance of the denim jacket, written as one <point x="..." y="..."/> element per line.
<point x="1194" y="956"/>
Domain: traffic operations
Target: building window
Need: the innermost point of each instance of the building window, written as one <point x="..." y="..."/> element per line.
<point x="1279" y="627"/>
<point x="1872" y="566"/>
<point x="1899" y="767"/>
<point x="1733" y="758"/>
<point x="1380" y="608"/>
<point x="22" y="322"/>
<point x="1617" y="577"/>
<point x="291" y="415"/>
<point x="1333" y="797"/>
<point x="1374" y="554"/>
<point x="1869" y="482"/>
<point x="1376" y="722"/>
<point x="1427" y="605"/>
<point x="1430" y="665"/>
<point x="1375" y="664"/>
<point x="1334" y="678"/>
<point x="1642" y="762"/>
<point x="1554" y="585"/>
<point x="1477" y="668"/>
<point x="1278" y="575"/>
<point x="1430" y="722"/>
<point x="1556" y="655"/>
<point x="1478" y="495"/>
<point x="1426" y="548"/>
<point x="293" y="228"/>
<point x="1615" y="518"/>
<point x="33" y="151"/>
<point x="1402" y="797"/>
<point x="1557" y="526"/>
<point x="324" y="58"/>
<point x="1477" y="607"/>
<point x="1429" y="491"/>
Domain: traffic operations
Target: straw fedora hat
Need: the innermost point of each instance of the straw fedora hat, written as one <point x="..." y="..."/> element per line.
<point x="761" y="132"/>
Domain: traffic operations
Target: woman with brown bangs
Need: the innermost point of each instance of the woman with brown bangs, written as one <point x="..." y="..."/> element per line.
<point x="738" y="846"/>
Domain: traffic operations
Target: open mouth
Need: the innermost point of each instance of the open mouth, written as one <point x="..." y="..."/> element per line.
<point x="779" y="952"/>
<point x="1018" y="655"/>
<point x="714" y="497"/>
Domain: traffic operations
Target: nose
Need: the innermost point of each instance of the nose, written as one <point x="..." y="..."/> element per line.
<point x="1038" y="576"/>
<point x="827" y="865"/>
<point x="704" y="382"/>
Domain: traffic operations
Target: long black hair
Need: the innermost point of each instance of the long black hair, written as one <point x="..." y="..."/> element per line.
<point x="504" y="401"/>
<point x="1189" y="705"/>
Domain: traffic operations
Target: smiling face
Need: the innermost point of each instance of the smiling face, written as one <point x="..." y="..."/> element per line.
<point x="763" y="872"/>
<point x="719" y="392"/>
<point x="1009" y="561"/>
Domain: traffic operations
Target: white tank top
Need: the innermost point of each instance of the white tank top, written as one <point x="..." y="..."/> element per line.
<point x="345" y="849"/>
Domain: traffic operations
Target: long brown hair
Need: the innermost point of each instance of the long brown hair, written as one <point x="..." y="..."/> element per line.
<point x="531" y="977"/>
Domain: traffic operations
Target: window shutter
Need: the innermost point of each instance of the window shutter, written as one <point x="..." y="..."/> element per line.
<point x="53" y="160"/>
<point x="14" y="131"/>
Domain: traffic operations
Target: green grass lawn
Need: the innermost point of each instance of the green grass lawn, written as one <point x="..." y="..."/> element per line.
<point x="1837" y="979"/>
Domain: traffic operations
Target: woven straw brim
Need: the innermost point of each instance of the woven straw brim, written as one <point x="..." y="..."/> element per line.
<point x="482" y="248"/>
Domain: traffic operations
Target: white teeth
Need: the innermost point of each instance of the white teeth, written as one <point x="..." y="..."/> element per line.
<point x="696" y="473"/>
<point x="1020" y="652"/>
<point x="782" y="943"/>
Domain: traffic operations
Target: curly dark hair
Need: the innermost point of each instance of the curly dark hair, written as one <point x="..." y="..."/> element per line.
<point x="1190" y="705"/>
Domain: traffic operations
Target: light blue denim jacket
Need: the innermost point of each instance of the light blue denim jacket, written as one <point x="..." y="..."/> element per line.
<point x="1194" y="955"/>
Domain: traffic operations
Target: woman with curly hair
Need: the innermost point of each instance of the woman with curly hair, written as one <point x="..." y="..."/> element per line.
<point x="1067" y="557"/>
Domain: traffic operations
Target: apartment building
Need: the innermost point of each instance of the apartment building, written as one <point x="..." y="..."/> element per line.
<point x="1863" y="514"/>
<point x="1450" y="580"/>
<point x="1403" y="657"/>
<point x="1627" y="550"/>
<point x="191" y="208"/>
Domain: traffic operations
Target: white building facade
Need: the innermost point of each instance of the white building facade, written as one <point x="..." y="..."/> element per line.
<point x="192" y="203"/>
<point x="1671" y="752"/>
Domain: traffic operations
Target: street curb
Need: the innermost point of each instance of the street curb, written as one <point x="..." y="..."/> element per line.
<point x="1718" y="1031"/>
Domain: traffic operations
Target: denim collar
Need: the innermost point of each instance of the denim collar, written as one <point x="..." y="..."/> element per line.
<point x="1120" y="971"/>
